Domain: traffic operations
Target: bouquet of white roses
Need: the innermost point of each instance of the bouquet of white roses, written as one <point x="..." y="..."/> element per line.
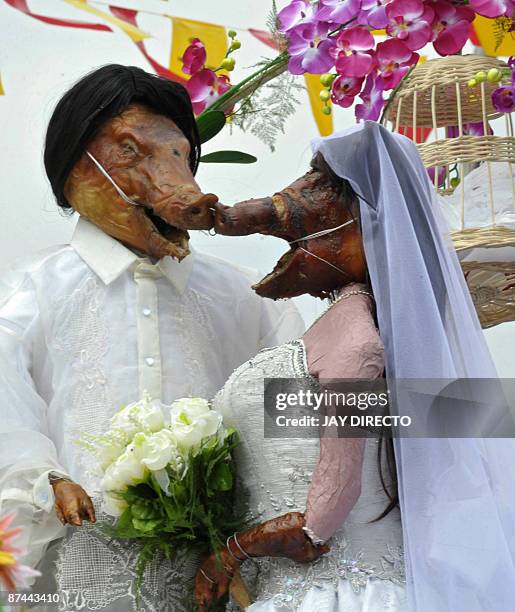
<point x="167" y="475"/>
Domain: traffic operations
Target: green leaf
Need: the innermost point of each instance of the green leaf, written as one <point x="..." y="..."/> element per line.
<point x="124" y="527"/>
<point x="145" y="510"/>
<point x="228" y="157"/>
<point x="209" y="124"/>
<point x="221" y="479"/>
<point x="210" y="444"/>
<point x="145" y="526"/>
<point x="138" y="492"/>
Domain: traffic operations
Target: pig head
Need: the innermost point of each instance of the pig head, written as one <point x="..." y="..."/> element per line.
<point x="147" y="156"/>
<point x="317" y="266"/>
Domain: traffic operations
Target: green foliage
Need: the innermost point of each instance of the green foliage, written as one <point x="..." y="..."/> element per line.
<point x="209" y="124"/>
<point x="264" y="112"/>
<point x="228" y="157"/>
<point x="501" y="27"/>
<point x="222" y="479"/>
<point x="272" y="21"/>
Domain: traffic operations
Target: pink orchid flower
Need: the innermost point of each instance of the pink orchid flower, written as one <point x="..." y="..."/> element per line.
<point x="511" y="66"/>
<point x="313" y="56"/>
<point x="493" y="8"/>
<point x="194" y="57"/>
<point x="410" y="21"/>
<point x="394" y="60"/>
<point x="355" y="58"/>
<point x="503" y="98"/>
<point x="373" y="13"/>
<point x="205" y="87"/>
<point x="13" y="575"/>
<point x="310" y="49"/>
<point x="470" y="129"/>
<point x="298" y="12"/>
<point x="338" y="11"/>
<point x="309" y="30"/>
<point x="451" y="27"/>
<point x="442" y="173"/>
<point x="373" y="101"/>
<point x="345" y="89"/>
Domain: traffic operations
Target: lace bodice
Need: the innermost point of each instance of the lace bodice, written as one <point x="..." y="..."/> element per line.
<point x="276" y="475"/>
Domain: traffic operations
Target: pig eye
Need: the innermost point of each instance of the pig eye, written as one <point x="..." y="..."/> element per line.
<point x="176" y="152"/>
<point x="129" y="148"/>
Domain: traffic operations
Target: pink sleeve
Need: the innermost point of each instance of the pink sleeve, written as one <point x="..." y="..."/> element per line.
<point x="344" y="343"/>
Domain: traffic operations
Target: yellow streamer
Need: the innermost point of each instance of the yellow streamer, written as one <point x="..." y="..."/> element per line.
<point x="324" y="122"/>
<point x="2" y="92"/>
<point x="487" y="31"/>
<point x="135" y="34"/>
<point x="214" y="38"/>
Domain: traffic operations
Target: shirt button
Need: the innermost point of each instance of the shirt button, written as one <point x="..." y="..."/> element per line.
<point x="147" y="312"/>
<point x="149" y="361"/>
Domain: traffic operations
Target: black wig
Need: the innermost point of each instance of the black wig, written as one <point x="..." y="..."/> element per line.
<point x="96" y="98"/>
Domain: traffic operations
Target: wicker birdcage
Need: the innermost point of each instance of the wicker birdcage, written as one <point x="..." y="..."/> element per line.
<point x="435" y="98"/>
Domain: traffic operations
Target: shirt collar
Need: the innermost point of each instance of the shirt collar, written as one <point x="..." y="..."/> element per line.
<point x="109" y="258"/>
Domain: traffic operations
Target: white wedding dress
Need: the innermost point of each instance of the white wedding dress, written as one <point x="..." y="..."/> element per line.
<point x="364" y="571"/>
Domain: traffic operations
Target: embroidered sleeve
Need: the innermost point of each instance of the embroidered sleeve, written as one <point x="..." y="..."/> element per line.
<point x="27" y="454"/>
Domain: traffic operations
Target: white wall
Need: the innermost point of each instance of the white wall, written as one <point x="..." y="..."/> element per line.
<point x="39" y="62"/>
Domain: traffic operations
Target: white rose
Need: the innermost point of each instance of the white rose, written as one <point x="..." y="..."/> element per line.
<point x="145" y="415"/>
<point x="110" y="446"/>
<point x="150" y="416"/>
<point x="128" y="469"/>
<point x="191" y="420"/>
<point x="113" y="505"/>
<point x="125" y="421"/>
<point x="113" y="480"/>
<point x="158" y="450"/>
<point x="192" y="406"/>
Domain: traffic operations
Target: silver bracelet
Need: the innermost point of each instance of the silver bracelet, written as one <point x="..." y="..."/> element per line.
<point x="314" y="539"/>
<point x="206" y="576"/>
<point x="239" y="547"/>
<point x="230" y="551"/>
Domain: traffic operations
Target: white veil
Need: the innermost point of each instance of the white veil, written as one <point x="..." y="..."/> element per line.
<point x="457" y="495"/>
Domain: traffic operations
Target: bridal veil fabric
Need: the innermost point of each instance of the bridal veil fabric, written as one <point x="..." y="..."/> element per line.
<point x="457" y="495"/>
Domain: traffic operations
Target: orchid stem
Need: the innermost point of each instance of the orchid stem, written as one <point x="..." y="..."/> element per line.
<point x="393" y="93"/>
<point x="340" y="28"/>
<point x="244" y="88"/>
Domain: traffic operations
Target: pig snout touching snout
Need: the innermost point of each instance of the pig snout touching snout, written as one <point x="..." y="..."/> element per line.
<point x="315" y="214"/>
<point x="302" y="207"/>
<point x="185" y="207"/>
<point x="257" y="216"/>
